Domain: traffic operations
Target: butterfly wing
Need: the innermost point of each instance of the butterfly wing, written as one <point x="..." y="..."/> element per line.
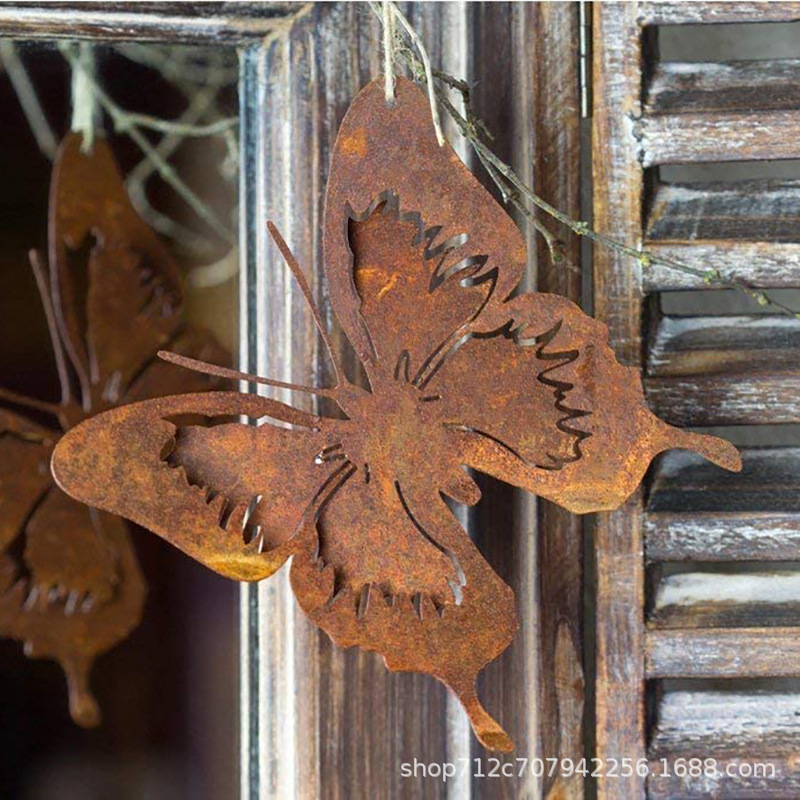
<point x="232" y="496"/>
<point x="116" y="289"/>
<point x="537" y="399"/>
<point x="25" y="449"/>
<point x="80" y="592"/>
<point x="390" y="156"/>
<point x="533" y="392"/>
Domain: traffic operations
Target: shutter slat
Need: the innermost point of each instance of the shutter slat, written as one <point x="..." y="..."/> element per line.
<point x="722" y="536"/>
<point x="769" y="481"/>
<point x="684" y="346"/>
<point x="729" y="400"/>
<point x="723" y="653"/>
<point x="764" y="265"/>
<point x="748" y="210"/>
<point x="727" y="136"/>
<point x="735" y="728"/>
<point x="690" y="87"/>
<point x="683" y="13"/>
<point x="720" y="600"/>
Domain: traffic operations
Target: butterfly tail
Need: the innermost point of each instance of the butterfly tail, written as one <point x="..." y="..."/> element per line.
<point x="717" y="451"/>
<point x="487" y="730"/>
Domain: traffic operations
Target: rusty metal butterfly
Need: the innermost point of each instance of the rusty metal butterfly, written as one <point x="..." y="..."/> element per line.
<point x="70" y="583"/>
<point x="461" y="372"/>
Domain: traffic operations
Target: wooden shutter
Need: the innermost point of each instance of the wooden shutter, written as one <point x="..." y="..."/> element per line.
<point x="679" y="653"/>
<point x="318" y="721"/>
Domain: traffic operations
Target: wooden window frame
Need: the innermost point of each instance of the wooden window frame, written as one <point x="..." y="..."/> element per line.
<point x="295" y="692"/>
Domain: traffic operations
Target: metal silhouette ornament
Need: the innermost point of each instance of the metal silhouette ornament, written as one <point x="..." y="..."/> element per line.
<point x="421" y="265"/>
<point x="70" y="583"/>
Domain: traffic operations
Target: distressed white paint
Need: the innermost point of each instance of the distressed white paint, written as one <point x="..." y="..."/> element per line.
<point x="742" y="344"/>
<point x="722" y="536"/>
<point x="694" y="588"/>
<point x="683" y="209"/>
<point x="689" y="13"/>
<point x="723" y="652"/>
<point x="769" y="265"/>
<point x="726" y="400"/>
<point x="715" y="719"/>
<point x="672" y="77"/>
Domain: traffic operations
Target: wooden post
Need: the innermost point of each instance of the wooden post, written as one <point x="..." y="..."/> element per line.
<point x="317" y="721"/>
<point x="619" y="560"/>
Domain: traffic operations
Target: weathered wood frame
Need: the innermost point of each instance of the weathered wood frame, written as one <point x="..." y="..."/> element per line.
<point x="316" y="721"/>
<point x="333" y="723"/>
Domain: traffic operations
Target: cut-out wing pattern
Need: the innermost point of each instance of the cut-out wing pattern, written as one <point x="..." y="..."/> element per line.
<point x="421" y="266"/>
<point x="70" y="583"/>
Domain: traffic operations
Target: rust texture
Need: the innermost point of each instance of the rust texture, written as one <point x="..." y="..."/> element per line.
<point x="70" y="583"/>
<point x="459" y="372"/>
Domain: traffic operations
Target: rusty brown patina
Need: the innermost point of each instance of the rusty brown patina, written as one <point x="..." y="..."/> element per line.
<point x="70" y="583"/>
<point x="461" y="372"/>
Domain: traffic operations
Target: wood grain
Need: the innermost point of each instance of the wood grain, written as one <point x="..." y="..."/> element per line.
<point x="724" y="345"/>
<point x="170" y="22"/>
<point x="748" y="210"/>
<point x="556" y="178"/>
<point x="734" y="599"/>
<point x="723" y="653"/>
<point x="617" y="177"/>
<point x="724" y="136"/>
<point x="762" y="399"/>
<point x="705" y="86"/>
<point x="683" y="482"/>
<point x="766" y="265"/>
<point x="734" y="727"/>
<point x="722" y="536"/>
<point x="677" y="13"/>
<point x="535" y="107"/>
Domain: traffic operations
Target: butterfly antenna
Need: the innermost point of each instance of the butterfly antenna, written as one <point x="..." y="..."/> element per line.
<point x="223" y="372"/>
<point x="291" y="261"/>
<point x="43" y="285"/>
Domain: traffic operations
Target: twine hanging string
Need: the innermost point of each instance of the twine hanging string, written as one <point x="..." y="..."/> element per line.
<point x="28" y="99"/>
<point x="84" y="105"/>
<point x="388" y="51"/>
<point x="388" y="13"/>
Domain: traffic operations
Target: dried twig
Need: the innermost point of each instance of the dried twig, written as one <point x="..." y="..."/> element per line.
<point x="513" y="189"/>
<point x="28" y="99"/>
<point x="122" y="122"/>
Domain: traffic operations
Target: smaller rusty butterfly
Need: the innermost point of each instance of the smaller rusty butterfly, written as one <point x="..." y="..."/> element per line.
<point x="70" y="583"/>
<point x="461" y="372"/>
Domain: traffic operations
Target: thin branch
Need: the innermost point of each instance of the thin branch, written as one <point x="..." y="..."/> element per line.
<point x="17" y="399"/>
<point x="175" y="67"/>
<point x="120" y="118"/>
<point x="199" y="103"/>
<point x="179" y="128"/>
<point x="513" y="189"/>
<point x="28" y="99"/>
<point x="84" y="105"/>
